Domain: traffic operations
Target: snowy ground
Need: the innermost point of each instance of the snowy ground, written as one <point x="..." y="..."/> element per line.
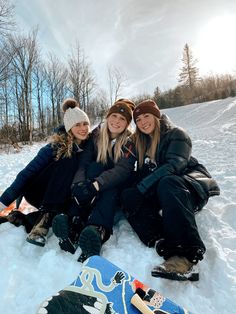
<point x="29" y="274"/>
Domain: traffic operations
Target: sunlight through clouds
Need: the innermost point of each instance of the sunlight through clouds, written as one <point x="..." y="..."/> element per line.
<point x="216" y="47"/>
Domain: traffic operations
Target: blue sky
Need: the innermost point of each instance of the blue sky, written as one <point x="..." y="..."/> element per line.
<point x="143" y="39"/>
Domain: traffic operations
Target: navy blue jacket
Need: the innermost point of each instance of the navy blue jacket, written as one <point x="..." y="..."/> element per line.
<point x="44" y="158"/>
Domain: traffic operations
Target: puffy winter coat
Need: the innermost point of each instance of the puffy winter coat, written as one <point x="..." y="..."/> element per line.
<point x="44" y="158"/>
<point x="114" y="174"/>
<point x="173" y="157"/>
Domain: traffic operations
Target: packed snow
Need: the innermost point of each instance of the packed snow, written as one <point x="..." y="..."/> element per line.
<point x="29" y="274"/>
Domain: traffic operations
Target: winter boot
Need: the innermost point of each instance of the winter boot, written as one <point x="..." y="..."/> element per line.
<point x="17" y="218"/>
<point x="177" y="268"/>
<point x="61" y="229"/>
<point x="38" y="234"/>
<point x="90" y="241"/>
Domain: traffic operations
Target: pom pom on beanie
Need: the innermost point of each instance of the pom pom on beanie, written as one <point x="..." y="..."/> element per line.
<point x="69" y="103"/>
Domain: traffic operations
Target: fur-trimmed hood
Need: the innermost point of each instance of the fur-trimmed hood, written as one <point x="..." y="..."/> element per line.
<point x="63" y="144"/>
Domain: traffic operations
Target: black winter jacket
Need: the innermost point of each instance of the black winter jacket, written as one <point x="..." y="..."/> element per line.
<point x="114" y="174"/>
<point x="173" y="157"/>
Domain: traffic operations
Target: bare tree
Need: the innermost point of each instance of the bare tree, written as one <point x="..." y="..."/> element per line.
<point x="216" y="87"/>
<point x="116" y="81"/>
<point x="88" y="87"/>
<point x="81" y="80"/>
<point x="6" y="17"/>
<point x="6" y="56"/>
<point x="26" y="54"/>
<point x="56" y="76"/>
<point x="6" y="24"/>
<point x="39" y="81"/>
<point x="98" y="107"/>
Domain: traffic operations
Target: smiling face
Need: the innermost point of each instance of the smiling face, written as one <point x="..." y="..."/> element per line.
<point x="80" y="131"/>
<point x="146" y="123"/>
<point x="116" y="124"/>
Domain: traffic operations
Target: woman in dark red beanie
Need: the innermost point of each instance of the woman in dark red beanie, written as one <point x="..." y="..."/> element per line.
<point x="171" y="187"/>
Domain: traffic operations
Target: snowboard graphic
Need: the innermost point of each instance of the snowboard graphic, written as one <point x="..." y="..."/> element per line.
<point x="102" y="287"/>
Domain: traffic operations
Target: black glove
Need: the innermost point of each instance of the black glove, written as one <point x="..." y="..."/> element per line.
<point x="84" y="192"/>
<point x="132" y="200"/>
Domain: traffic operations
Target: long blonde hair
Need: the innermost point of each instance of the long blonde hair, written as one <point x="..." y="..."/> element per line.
<point x="146" y="145"/>
<point x="104" y="144"/>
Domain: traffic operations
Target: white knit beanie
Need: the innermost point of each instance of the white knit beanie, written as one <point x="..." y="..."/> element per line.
<point x="73" y="114"/>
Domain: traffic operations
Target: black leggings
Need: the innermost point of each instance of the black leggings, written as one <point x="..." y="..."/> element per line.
<point x="103" y="211"/>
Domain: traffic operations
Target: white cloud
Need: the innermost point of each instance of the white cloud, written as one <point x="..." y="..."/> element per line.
<point x="140" y="37"/>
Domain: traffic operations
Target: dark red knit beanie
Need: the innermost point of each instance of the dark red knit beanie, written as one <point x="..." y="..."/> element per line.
<point x="124" y="107"/>
<point x="146" y="106"/>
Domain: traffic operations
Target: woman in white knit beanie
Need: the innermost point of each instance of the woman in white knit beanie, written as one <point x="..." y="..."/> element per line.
<point x="45" y="182"/>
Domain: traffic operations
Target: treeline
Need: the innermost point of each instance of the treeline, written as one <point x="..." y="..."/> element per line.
<point x="195" y="89"/>
<point x="32" y="88"/>
<point x="209" y="88"/>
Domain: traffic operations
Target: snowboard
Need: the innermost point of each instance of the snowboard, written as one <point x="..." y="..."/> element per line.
<point x="102" y="287"/>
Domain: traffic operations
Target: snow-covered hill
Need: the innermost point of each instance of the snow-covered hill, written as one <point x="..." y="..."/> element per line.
<point x="29" y="274"/>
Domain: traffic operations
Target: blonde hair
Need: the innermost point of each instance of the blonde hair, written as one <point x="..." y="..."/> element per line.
<point x="104" y="144"/>
<point x="62" y="144"/>
<point x="146" y="145"/>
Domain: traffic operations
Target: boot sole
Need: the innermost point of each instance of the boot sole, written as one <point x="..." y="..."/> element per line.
<point x="31" y="241"/>
<point x="176" y="276"/>
<point x="90" y="242"/>
<point x="60" y="227"/>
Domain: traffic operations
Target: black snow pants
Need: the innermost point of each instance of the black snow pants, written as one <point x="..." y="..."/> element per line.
<point x="103" y="211"/>
<point x="167" y="212"/>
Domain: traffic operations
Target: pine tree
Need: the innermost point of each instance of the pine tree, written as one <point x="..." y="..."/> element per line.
<point x="189" y="72"/>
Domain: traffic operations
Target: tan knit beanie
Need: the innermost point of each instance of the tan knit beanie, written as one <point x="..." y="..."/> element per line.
<point x="124" y="107"/>
<point x="73" y="114"/>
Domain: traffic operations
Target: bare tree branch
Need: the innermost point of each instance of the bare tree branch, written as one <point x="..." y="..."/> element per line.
<point x="7" y="22"/>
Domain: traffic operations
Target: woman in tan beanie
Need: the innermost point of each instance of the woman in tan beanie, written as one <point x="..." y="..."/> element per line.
<point x="108" y="163"/>
<point x="45" y="182"/>
<point x="171" y="187"/>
